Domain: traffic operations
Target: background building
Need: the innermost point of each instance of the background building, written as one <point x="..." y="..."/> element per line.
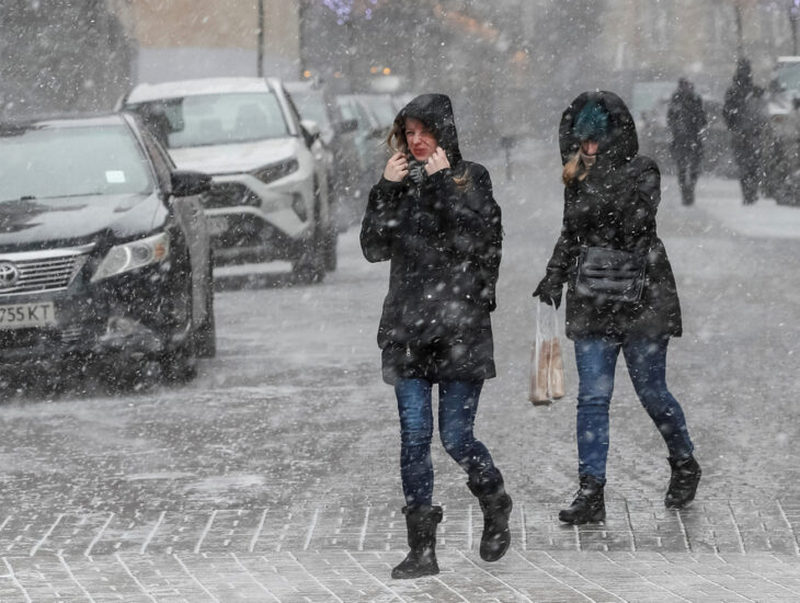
<point x="511" y="65"/>
<point x="179" y="39"/>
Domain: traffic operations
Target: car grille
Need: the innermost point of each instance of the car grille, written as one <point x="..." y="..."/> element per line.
<point x="39" y="271"/>
<point x="26" y="338"/>
<point x="228" y="194"/>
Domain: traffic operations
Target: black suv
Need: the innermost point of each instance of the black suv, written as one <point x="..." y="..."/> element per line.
<point x="104" y="251"/>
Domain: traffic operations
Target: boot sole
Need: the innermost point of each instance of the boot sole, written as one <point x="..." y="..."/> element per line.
<point x="579" y="521"/>
<point x="676" y="506"/>
<point x="399" y="576"/>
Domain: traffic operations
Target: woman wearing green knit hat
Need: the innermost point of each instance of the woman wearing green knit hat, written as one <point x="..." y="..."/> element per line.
<point x="611" y="195"/>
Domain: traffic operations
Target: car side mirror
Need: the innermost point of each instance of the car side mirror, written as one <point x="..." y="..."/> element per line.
<point x="186" y="183"/>
<point x="311" y="131"/>
<point x="346" y="125"/>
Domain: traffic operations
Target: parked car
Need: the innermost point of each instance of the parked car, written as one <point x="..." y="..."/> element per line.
<point x="104" y="250"/>
<point x="382" y="106"/>
<point x="369" y="140"/>
<point x="269" y="194"/>
<point x="401" y="99"/>
<point x="315" y="103"/>
<point x="782" y="144"/>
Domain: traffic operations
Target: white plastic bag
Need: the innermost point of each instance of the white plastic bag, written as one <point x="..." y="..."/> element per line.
<point x="547" y="366"/>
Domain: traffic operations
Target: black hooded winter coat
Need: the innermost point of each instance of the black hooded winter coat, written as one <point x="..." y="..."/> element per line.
<point x="614" y="206"/>
<point x="443" y="238"/>
<point x="744" y="113"/>
<point x="686" y="119"/>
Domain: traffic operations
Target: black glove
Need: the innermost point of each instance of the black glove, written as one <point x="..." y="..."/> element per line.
<point x="548" y="293"/>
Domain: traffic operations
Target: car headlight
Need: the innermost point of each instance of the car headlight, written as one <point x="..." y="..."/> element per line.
<point x="133" y="255"/>
<point x="275" y="171"/>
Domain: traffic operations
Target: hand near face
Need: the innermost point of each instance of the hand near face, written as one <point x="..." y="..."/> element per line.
<point x="437" y="161"/>
<point x="396" y="168"/>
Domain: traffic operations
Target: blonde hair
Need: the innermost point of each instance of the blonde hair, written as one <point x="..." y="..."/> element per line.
<point x="574" y="169"/>
<point x="396" y="141"/>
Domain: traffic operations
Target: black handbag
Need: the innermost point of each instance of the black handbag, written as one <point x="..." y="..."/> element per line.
<point x="610" y="275"/>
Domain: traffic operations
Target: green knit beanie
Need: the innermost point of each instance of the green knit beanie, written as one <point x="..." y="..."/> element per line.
<point x="591" y="123"/>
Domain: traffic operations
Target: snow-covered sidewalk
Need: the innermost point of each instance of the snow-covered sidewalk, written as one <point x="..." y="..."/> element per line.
<point x="722" y="198"/>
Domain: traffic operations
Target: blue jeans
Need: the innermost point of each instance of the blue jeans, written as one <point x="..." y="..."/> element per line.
<point x="596" y="360"/>
<point x="458" y="404"/>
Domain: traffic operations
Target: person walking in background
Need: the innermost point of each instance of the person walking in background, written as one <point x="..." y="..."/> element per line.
<point x="611" y="195"/>
<point x="434" y="217"/>
<point x="687" y="121"/>
<point x="744" y="114"/>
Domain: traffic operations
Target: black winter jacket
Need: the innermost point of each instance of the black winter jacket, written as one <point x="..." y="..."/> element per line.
<point x="615" y="206"/>
<point x="686" y="119"/>
<point x="443" y="239"/>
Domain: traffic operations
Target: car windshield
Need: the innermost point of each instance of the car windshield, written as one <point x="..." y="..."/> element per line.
<point x="311" y="105"/>
<point x="382" y="108"/>
<point x="213" y="119"/>
<point x="46" y="162"/>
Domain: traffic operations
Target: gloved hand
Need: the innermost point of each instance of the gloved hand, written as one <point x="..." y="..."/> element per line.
<point x="548" y="293"/>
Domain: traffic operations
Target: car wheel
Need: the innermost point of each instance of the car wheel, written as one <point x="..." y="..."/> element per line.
<point x="310" y="266"/>
<point x="206" y="336"/>
<point x="331" y="241"/>
<point x="179" y="363"/>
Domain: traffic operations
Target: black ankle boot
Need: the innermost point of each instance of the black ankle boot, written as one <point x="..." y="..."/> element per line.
<point x="496" y="507"/>
<point x="421" y="525"/>
<point x="589" y="505"/>
<point x="683" y="482"/>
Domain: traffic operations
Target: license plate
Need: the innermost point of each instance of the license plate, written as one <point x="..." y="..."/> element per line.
<point x="217" y="225"/>
<point x="26" y="316"/>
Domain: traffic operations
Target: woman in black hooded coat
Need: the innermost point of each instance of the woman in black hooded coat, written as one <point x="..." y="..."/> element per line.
<point x="611" y="196"/>
<point x="433" y="216"/>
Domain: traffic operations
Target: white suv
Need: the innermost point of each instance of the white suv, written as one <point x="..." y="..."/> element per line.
<point x="269" y="194"/>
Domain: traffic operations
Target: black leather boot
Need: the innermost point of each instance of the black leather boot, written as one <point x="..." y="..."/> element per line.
<point x="683" y="482"/>
<point x="496" y="506"/>
<point x="421" y="525"/>
<point x="589" y="505"/>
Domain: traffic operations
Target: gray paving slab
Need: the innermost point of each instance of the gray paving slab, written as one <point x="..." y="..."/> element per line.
<point x="344" y="575"/>
<point x="708" y="526"/>
<point x="716" y="550"/>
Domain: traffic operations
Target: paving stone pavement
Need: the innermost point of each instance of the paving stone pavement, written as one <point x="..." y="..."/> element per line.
<point x="716" y="550"/>
<point x="343" y="575"/>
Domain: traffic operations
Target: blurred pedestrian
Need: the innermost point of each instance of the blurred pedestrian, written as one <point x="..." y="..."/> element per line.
<point x="434" y="217"/>
<point x="687" y="121"/>
<point x="744" y="114"/>
<point x="611" y="195"/>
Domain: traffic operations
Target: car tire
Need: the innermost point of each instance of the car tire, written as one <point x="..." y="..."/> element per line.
<point x="206" y="336"/>
<point x="179" y="363"/>
<point x="331" y="241"/>
<point x="309" y="268"/>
